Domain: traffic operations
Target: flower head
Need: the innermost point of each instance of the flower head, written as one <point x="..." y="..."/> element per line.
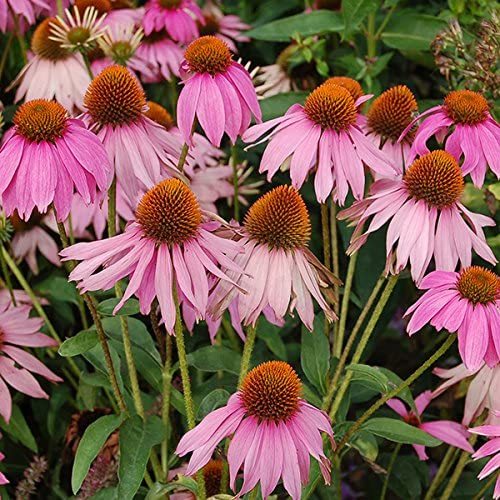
<point x="120" y="42"/>
<point x="169" y="244"/>
<point x="284" y="275"/>
<point x="17" y="366"/>
<point x="464" y="122"/>
<point x="47" y="156"/>
<point x="467" y="303"/>
<point x="323" y="136"/>
<point x="270" y="423"/>
<point x="217" y="90"/>
<point x="449" y="432"/>
<point x="426" y="218"/>
<point x="492" y="447"/>
<point x="349" y="84"/>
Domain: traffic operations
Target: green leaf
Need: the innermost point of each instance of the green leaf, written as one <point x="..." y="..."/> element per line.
<point x="494" y="189"/>
<point x="399" y="431"/>
<point x="212" y="401"/>
<point x="366" y="444"/>
<point x="410" y="30"/>
<point x="159" y="490"/>
<point x="270" y="334"/>
<point x="136" y="440"/>
<point x="57" y="288"/>
<point x="92" y="441"/>
<point x="307" y="24"/>
<point x="395" y="381"/>
<point x="130" y="307"/>
<point x="80" y="343"/>
<point x="18" y="429"/>
<point x="215" y="358"/>
<point x="354" y="13"/>
<point x="315" y="354"/>
<point x="278" y="104"/>
<point x="370" y="377"/>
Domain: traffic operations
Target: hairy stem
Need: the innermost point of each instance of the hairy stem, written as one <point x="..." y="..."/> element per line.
<point x="392" y="461"/>
<point x="247" y="353"/>
<point x="236" y="185"/>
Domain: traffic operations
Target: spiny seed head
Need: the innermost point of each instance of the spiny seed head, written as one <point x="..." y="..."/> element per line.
<point x="159" y="115"/>
<point x="350" y="84"/>
<point x="212" y="473"/>
<point x="331" y="106"/>
<point x="208" y="54"/>
<point x="169" y="212"/>
<point x="466" y="106"/>
<point x="102" y="6"/>
<point x="436" y="178"/>
<point x="392" y="112"/>
<point x="40" y="120"/>
<point x="279" y="219"/>
<point x="115" y="97"/>
<point x="43" y="46"/>
<point x="479" y="285"/>
<point x="170" y="4"/>
<point x="271" y="391"/>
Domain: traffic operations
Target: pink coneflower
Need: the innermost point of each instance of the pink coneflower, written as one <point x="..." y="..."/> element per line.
<point x="217" y="90"/>
<point x="464" y="120"/>
<point x="3" y="479"/>
<point x="25" y="10"/>
<point x="168" y="244"/>
<point x="447" y="431"/>
<point x="16" y="365"/>
<point x="30" y="237"/>
<point x="177" y="17"/>
<point x="137" y="146"/>
<point x="282" y="272"/>
<point x="53" y="72"/>
<point x="387" y="118"/>
<point x="482" y="392"/>
<point x="426" y="218"/>
<point x="274" y="433"/>
<point x="323" y="134"/>
<point x="492" y="447"/>
<point x="45" y="157"/>
<point x="467" y="303"/>
<point x="228" y="28"/>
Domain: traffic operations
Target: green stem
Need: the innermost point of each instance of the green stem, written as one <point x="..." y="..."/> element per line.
<point x="112" y="209"/>
<point x="406" y="383"/>
<point x="165" y="407"/>
<point x="442" y="472"/>
<point x="350" y="342"/>
<point x="8" y="281"/>
<point x="339" y="340"/>
<point x="383" y="24"/>
<point x="157" y="331"/>
<point x="60" y="8"/>
<point x="5" y="53"/>
<point x="335" y="256"/>
<point x="370" y="327"/>
<point x="87" y="63"/>
<point x="236" y="185"/>
<point x="247" y="353"/>
<point x="486" y="487"/>
<point x="182" y="157"/>
<point x="371" y="41"/>
<point x="389" y="470"/>
<point x="327" y="254"/>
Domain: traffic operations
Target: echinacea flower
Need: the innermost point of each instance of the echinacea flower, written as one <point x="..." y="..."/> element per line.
<point x="53" y="72"/>
<point x="465" y="123"/>
<point x="356" y="91"/>
<point x="16" y="365"/>
<point x="217" y="90"/>
<point x="482" y="392"/>
<point x="322" y="135"/>
<point x="24" y="10"/>
<point x="228" y="28"/>
<point x="32" y="236"/>
<point x="426" y="218"/>
<point x="274" y="433"/>
<point x="212" y="476"/>
<point x="449" y="432"/>
<point x="467" y="303"/>
<point x="282" y="272"/>
<point x="120" y="41"/>
<point x="492" y="447"/>
<point x="137" y="146"/>
<point x="169" y="244"/>
<point x="177" y="17"/>
<point x="387" y="118"/>
<point x="47" y="156"/>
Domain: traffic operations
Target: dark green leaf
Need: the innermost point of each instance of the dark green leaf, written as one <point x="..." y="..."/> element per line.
<point x="270" y="334"/>
<point x="395" y="381"/>
<point x="370" y="377"/>
<point x="19" y="430"/>
<point x="80" y="343"/>
<point x="159" y="490"/>
<point x="399" y="431"/>
<point x="212" y="401"/>
<point x="277" y="105"/>
<point x="130" y="307"/>
<point x="215" y="358"/>
<point x="57" y="288"/>
<point x="354" y="13"/>
<point x="366" y="444"/>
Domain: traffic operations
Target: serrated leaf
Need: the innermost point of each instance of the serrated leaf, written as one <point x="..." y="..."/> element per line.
<point x="215" y="399"/>
<point x="130" y="308"/>
<point x="399" y="431"/>
<point x="18" y="429"/>
<point x="215" y="358"/>
<point x="80" y="343"/>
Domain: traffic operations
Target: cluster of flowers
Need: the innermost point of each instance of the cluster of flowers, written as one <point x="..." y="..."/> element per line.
<point x="78" y="136"/>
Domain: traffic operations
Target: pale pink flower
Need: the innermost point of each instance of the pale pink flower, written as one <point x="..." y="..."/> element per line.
<point x="16" y="365"/>
<point x="492" y="447"/>
<point x="177" y="17"/>
<point x="426" y="218"/>
<point x="217" y="90"/>
<point x="3" y="479"/>
<point x="449" y="432"/>
<point x="25" y="10"/>
<point x="322" y="135"/>
<point x="274" y="433"/>
<point x="282" y="273"/>
<point x="467" y="303"/>
<point x="138" y="147"/>
<point x="228" y="28"/>
<point x="45" y="157"/>
<point x="169" y="244"/>
<point x="464" y="122"/>
<point x="120" y="17"/>
<point x="272" y="80"/>
<point x="53" y="72"/>
<point x="483" y="391"/>
<point x="31" y="237"/>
